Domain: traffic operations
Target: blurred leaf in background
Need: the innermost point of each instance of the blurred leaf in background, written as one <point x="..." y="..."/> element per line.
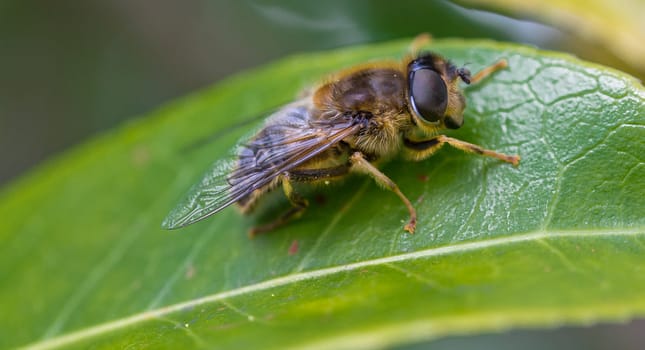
<point x="609" y="32"/>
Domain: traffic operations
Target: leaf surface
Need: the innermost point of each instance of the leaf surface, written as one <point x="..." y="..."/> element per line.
<point x="560" y="239"/>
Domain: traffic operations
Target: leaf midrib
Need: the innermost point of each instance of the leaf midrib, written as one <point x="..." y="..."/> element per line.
<point x="312" y="274"/>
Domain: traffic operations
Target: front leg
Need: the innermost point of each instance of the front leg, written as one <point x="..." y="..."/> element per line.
<point x="419" y="150"/>
<point x="482" y="74"/>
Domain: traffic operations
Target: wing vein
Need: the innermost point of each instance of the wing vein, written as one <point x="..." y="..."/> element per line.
<point x="288" y="139"/>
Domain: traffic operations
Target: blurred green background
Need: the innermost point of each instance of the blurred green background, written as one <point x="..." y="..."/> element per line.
<point x="69" y="69"/>
<point x="72" y="68"/>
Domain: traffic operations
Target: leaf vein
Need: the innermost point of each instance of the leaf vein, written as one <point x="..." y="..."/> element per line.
<point x="481" y="193"/>
<point x="195" y="250"/>
<point x="423" y="279"/>
<point x="199" y="341"/>
<point x="332" y="223"/>
<point x="102" y="268"/>
<point x="557" y="252"/>
<point x="309" y="275"/>
<point x="247" y="316"/>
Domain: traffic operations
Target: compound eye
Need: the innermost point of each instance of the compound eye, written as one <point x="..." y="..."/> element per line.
<point x="428" y="94"/>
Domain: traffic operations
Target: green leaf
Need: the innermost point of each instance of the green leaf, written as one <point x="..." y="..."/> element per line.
<point x="558" y="240"/>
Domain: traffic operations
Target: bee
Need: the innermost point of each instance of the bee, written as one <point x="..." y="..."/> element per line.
<point x="354" y="121"/>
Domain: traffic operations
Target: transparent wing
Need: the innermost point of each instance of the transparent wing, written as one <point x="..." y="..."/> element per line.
<point x="287" y="139"/>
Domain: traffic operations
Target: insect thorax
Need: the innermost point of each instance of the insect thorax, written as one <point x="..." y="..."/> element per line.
<point x="375" y="90"/>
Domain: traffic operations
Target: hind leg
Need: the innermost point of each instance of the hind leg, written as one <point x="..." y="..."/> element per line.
<point x="298" y="206"/>
<point x="298" y="203"/>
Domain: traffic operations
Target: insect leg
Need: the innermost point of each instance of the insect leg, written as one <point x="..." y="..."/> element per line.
<point x="360" y="164"/>
<point x="499" y="65"/>
<point x="299" y="204"/>
<point x="419" y="150"/>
